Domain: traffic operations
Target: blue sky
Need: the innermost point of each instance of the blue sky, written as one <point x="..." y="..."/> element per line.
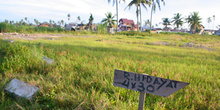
<point x="44" y="10"/>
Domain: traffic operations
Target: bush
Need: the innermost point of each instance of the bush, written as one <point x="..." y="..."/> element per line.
<point x="4" y="27"/>
<point x="132" y="33"/>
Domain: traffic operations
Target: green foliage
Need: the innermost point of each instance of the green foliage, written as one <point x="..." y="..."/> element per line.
<point x="166" y="22"/>
<point x="27" y="59"/>
<point x="101" y="29"/>
<point x="132" y="33"/>
<point x="177" y="20"/>
<point x="194" y="21"/>
<point x="4" y="27"/>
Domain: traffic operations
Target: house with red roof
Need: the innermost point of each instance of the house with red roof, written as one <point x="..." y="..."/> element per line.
<point x="127" y="25"/>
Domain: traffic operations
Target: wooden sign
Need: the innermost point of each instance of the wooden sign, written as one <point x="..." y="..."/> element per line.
<point x="145" y="83"/>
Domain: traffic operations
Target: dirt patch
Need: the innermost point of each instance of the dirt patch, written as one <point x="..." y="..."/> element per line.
<point x="36" y="36"/>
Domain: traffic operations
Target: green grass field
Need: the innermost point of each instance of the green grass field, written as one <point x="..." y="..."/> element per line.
<point x="82" y="75"/>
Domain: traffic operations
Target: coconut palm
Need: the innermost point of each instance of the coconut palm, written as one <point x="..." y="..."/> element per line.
<point x="209" y="20"/>
<point x="116" y="9"/>
<point x="147" y="22"/>
<point x="62" y="22"/>
<point x="137" y="3"/>
<point x="177" y="20"/>
<point x="109" y="21"/>
<point x="68" y="17"/>
<point x="78" y="18"/>
<point x="155" y="3"/>
<point x="166" y="22"/>
<point x="36" y="22"/>
<point x="90" y="21"/>
<point x="213" y="19"/>
<point x="194" y="21"/>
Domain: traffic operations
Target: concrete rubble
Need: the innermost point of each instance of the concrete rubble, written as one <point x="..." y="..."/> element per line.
<point x="21" y="89"/>
<point x="48" y="60"/>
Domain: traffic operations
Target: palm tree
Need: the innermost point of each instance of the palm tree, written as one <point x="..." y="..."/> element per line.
<point x="59" y="23"/>
<point x="177" y="20"/>
<point x="137" y="4"/>
<point x="213" y="20"/>
<point x="50" y="21"/>
<point x="147" y="22"/>
<point x="68" y="17"/>
<point x="153" y="8"/>
<point x="25" y="19"/>
<point x="90" y="21"/>
<point x="166" y="22"/>
<point x="62" y="22"/>
<point x="79" y="19"/>
<point x="194" y="21"/>
<point x="209" y="20"/>
<point x="116" y="9"/>
<point x="109" y="21"/>
<point x="36" y="22"/>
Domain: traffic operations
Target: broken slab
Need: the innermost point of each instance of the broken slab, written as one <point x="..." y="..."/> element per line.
<point x="22" y="89"/>
<point x="48" y="60"/>
<point x="9" y="40"/>
<point x="190" y="44"/>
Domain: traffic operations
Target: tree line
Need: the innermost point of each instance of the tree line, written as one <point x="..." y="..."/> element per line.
<point x="194" y="20"/>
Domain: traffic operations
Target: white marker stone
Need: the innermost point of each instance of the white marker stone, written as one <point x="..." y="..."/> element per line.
<point x="21" y="89"/>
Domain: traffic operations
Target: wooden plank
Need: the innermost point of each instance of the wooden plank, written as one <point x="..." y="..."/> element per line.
<point x="145" y="83"/>
<point x="141" y="100"/>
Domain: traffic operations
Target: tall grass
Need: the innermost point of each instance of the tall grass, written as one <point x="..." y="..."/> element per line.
<point x="82" y="75"/>
<point x="4" y="27"/>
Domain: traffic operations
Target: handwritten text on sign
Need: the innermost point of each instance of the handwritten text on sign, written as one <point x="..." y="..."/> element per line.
<point x="146" y="83"/>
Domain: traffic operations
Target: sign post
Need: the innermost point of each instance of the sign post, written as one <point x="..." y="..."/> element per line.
<point x="146" y="84"/>
<point x="141" y="100"/>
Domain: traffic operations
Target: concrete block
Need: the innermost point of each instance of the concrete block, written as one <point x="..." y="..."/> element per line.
<point x="21" y="89"/>
<point x="48" y="60"/>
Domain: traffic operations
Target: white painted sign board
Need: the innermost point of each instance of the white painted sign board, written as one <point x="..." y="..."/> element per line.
<point x="145" y="83"/>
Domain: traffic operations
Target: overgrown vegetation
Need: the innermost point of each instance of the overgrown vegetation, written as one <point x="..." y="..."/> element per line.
<point x="4" y="27"/>
<point x="82" y="75"/>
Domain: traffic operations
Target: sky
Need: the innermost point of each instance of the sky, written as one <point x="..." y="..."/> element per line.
<point x="57" y="10"/>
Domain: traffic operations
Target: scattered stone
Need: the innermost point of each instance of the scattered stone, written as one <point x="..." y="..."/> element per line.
<point x="48" y="60"/>
<point x="15" y="33"/>
<point x="190" y="44"/>
<point x="21" y="89"/>
<point x="51" y="38"/>
<point x="159" y="43"/>
<point x="9" y="40"/>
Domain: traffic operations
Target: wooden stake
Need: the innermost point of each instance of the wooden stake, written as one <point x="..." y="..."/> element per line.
<point x="141" y="100"/>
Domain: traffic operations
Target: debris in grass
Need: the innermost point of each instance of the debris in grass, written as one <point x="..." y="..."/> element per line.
<point x="9" y="40"/>
<point x="160" y="43"/>
<point x="48" y="60"/>
<point x="21" y="89"/>
<point x="190" y="44"/>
